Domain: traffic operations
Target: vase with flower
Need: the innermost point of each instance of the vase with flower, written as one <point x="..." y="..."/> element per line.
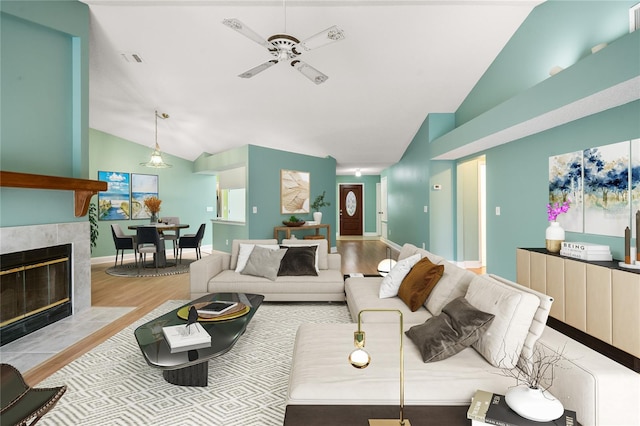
<point x="153" y="205"/>
<point x="554" y="233"/>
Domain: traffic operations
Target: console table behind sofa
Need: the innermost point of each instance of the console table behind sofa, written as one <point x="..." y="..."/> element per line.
<point x="595" y="303"/>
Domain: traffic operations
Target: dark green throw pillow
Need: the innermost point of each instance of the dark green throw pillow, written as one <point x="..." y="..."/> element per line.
<point x="456" y="328"/>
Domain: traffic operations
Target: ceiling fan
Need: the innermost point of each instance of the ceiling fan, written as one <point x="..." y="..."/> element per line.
<point x="287" y="48"/>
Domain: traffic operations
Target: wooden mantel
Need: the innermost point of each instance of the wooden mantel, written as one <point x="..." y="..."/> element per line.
<point x="84" y="189"/>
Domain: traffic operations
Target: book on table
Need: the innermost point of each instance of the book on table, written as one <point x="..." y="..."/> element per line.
<point x="586" y="251"/>
<point x="491" y="409"/>
<point x="184" y="337"/>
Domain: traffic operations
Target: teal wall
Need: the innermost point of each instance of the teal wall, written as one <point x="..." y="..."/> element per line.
<point x="44" y="93"/>
<point x="183" y="193"/>
<point x="517" y="172"/>
<point x="369" y="194"/>
<point x="557" y="32"/>
<point x="264" y="188"/>
<point x="263" y="167"/>
<point x="409" y="188"/>
<point x="518" y="176"/>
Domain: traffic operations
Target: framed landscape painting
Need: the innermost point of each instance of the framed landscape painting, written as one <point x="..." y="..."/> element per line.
<point x="142" y="187"/>
<point x="294" y="192"/>
<point x="113" y="204"/>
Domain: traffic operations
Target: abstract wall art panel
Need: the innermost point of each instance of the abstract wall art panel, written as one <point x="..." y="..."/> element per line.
<point x="635" y="182"/>
<point x="607" y="207"/>
<point x="565" y="184"/>
<point x="294" y="192"/>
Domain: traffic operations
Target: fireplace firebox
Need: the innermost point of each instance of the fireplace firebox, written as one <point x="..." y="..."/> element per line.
<point x="35" y="290"/>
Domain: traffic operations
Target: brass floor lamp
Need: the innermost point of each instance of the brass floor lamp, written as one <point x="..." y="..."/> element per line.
<point x="359" y="358"/>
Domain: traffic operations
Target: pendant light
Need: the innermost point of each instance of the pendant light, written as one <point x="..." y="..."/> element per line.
<point x="156" y="160"/>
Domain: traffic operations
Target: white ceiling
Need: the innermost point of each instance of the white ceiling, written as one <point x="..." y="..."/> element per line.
<point x="400" y="60"/>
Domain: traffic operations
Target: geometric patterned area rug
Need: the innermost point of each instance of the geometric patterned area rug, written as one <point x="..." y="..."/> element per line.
<point x="113" y="385"/>
<point x="131" y="270"/>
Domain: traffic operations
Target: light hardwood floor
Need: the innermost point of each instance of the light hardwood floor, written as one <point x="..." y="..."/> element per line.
<point x="145" y="294"/>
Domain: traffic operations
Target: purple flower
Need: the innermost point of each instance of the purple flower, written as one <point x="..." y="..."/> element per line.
<point x="556" y="209"/>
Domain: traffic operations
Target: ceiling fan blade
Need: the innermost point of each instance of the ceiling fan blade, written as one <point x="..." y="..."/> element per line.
<point x="237" y="25"/>
<point x="258" y="69"/>
<point x="330" y="35"/>
<point x="310" y="72"/>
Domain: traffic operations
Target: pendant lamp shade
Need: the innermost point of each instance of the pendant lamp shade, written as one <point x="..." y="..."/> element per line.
<point x="156" y="161"/>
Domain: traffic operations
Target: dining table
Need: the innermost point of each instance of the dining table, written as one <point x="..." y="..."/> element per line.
<point x="161" y="227"/>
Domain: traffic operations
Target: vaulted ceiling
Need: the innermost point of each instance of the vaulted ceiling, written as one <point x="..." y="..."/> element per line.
<point x="399" y="61"/>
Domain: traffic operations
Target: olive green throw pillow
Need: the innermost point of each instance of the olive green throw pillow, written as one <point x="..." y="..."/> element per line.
<point x="459" y="326"/>
<point x="418" y="283"/>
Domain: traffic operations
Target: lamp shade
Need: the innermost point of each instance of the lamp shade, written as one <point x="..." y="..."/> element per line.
<point x="385" y="266"/>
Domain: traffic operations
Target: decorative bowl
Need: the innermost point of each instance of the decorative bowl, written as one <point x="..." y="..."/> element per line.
<point x="294" y="224"/>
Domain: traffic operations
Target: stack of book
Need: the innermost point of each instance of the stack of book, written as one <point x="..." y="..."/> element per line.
<point x="491" y="409"/>
<point x="586" y="251"/>
<point x="184" y="337"/>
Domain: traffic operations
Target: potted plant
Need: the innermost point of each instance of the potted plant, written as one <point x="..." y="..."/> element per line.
<point x="94" y="231"/>
<point x="530" y="397"/>
<point x="317" y="203"/>
<point x="293" y="221"/>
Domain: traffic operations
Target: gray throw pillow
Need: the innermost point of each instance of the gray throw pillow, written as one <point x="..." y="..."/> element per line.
<point x="264" y="262"/>
<point x="299" y="261"/>
<point x="458" y="326"/>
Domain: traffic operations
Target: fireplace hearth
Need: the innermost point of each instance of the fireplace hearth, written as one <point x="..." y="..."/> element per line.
<point x="35" y="290"/>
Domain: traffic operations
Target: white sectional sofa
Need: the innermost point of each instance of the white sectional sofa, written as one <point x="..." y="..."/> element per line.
<point x="216" y="274"/>
<point x="601" y="391"/>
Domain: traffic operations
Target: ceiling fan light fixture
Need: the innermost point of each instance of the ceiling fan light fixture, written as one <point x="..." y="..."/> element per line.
<point x="156" y="161"/>
<point x="285" y="47"/>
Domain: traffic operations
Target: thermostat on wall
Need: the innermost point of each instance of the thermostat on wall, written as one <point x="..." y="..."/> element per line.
<point x="437" y="187"/>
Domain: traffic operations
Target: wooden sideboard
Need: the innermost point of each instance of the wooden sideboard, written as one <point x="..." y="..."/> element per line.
<point x="596" y="301"/>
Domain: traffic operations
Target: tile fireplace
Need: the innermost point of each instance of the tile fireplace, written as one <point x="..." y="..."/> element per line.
<point x="46" y="276"/>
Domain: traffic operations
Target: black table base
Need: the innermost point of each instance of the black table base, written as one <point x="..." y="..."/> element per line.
<point x="194" y="375"/>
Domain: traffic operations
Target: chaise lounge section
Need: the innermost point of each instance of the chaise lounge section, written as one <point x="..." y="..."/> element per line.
<point x="601" y="391"/>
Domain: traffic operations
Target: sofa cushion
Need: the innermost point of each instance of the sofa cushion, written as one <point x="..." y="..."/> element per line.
<point x="513" y="308"/>
<point x="299" y="261"/>
<point x="457" y="327"/>
<point x="407" y="250"/>
<point x="419" y="282"/>
<point x="392" y="281"/>
<point x="362" y="293"/>
<point x="323" y="261"/>
<point x="264" y="262"/>
<point x="245" y="250"/>
<point x="235" y="249"/>
<point x="453" y="284"/>
<point x="539" y="318"/>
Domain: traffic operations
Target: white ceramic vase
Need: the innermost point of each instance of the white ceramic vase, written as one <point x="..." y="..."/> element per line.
<point x="317" y="217"/>
<point x="534" y="404"/>
<point x="554" y="236"/>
